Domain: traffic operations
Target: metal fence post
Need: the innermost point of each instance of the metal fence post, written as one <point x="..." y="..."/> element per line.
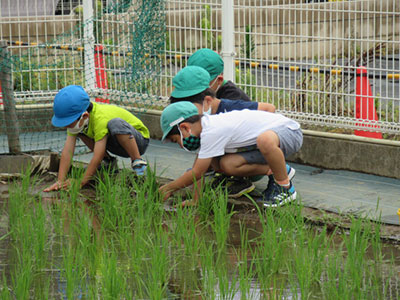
<point x="10" y="114"/>
<point x="88" y="40"/>
<point x="228" y="38"/>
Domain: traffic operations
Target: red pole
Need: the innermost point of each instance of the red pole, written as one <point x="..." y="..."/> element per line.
<point x="100" y="70"/>
<point x="1" y="95"/>
<point x="365" y="106"/>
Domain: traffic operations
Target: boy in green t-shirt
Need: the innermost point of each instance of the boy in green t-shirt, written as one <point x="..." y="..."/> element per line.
<point x="102" y="128"/>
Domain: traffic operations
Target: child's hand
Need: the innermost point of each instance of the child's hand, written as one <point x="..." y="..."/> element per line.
<point x="187" y="203"/>
<point x="58" y="185"/>
<point x="165" y="191"/>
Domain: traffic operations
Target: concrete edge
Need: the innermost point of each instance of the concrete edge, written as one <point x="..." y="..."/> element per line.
<point x="320" y="149"/>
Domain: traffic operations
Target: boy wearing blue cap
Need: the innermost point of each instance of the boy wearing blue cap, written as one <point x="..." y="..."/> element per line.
<point x="212" y="62"/>
<point x="218" y="137"/>
<point x="102" y="128"/>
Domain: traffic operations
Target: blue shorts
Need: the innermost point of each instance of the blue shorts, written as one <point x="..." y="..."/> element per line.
<point x="120" y="126"/>
<point x="290" y="142"/>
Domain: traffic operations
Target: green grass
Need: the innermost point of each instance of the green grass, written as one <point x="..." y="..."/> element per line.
<point x="124" y="245"/>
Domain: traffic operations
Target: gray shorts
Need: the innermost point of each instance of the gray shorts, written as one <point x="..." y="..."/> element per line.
<point x="290" y="142"/>
<point x="120" y="126"/>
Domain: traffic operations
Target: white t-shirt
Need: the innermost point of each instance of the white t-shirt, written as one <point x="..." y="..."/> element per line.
<point x="226" y="132"/>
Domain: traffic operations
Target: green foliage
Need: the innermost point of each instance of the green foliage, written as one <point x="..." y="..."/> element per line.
<point x="248" y="48"/>
<point x="213" y="41"/>
<point x="36" y="72"/>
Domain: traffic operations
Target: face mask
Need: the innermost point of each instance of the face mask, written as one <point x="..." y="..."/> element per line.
<point x="190" y="143"/>
<point x="78" y="129"/>
<point x="214" y="82"/>
<point x="208" y="112"/>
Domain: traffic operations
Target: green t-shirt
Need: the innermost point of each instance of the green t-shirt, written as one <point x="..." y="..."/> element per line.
<point x="101" y="114"/>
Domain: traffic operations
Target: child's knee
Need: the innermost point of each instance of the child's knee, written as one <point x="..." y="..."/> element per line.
<point x="267" y="140"/>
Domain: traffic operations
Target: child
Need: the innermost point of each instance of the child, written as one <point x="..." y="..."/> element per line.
<point x="191" y="84"/>
<point x="273" y="137"/>
<point x="102" y="128"/>
<point x="212" y="62"/>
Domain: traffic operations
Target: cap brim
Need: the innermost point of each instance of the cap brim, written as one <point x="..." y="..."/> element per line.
<point x="165" y="135"/>
<point x="63" y="122"/>
<point x="187" y="93"/>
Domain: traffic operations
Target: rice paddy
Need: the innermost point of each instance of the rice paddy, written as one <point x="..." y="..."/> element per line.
<point x="117" y="240"/>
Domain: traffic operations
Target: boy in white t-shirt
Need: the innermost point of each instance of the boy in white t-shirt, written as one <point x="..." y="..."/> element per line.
<point x="218" y="137"/>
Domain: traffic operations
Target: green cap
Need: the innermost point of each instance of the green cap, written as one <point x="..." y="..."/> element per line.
<point x="190" y="81"/>
<point x="174" y="114"/>
<point x="209" y="60"/>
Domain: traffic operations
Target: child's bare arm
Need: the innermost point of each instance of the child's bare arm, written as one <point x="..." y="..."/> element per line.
<point x="98" y="154"/>
<point x="65" y="162"/>
<point x="199" y="168"/>
<point x="266" y="107"/>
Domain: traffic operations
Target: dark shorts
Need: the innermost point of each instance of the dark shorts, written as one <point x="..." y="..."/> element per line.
<point x="290" y="141"/>
<point x="120" y="126"/>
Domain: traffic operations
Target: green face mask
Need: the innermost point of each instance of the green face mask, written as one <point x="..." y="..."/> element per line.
<point x="190" y="143"/>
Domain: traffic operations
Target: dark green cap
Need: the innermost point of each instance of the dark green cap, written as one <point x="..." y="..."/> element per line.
<point x="190" y="81"/>
<point x="209" y="60"/>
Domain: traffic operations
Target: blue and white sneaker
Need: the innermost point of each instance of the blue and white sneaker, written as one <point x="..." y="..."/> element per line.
<point x="139" y="167"/>
<point x="290" y="171"/>
<point x="276" y="195"/>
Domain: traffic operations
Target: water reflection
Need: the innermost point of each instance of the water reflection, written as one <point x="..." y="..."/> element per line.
<point x="78" y="241"/>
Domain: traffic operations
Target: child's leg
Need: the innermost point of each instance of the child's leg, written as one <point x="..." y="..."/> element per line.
<point x="268" y="144"/>
<point x="126" y="141"/>
<point x="129" y="144"/>
<point x="238" y="165"/>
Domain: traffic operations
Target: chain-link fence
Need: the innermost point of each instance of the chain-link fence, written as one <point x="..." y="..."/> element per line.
<point x="332" y="65"/>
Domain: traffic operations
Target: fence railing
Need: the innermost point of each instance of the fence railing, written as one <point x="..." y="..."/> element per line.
<point x="301" y="56"/>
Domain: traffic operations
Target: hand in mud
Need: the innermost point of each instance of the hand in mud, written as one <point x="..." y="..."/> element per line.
<point x="58" y="185"/>
<point x="187" y="203"/>
<point x="165" y="191"/>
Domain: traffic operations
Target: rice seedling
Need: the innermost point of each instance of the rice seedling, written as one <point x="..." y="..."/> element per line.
<point x="124" y="245"/>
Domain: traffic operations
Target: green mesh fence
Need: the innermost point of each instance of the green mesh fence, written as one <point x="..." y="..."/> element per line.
<point x="116" y="56"/>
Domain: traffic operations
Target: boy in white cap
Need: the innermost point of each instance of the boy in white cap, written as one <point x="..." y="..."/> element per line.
<point x="102" y="128"/>
<point x="212" y="62"/>
<point x="219" y="136"/>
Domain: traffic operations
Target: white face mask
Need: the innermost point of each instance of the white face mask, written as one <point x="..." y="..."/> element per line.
<point x="78" y="129"/>
<point x="208" y="112"/>
<point x="216" y="78"/>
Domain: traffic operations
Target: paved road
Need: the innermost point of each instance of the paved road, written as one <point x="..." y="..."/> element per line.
<point x="383" y="88"/>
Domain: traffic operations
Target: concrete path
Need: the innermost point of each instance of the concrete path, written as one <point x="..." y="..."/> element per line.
<point x="336" y="191"/>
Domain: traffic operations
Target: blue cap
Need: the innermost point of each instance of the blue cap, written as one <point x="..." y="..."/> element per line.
<point x="69" y="104"/>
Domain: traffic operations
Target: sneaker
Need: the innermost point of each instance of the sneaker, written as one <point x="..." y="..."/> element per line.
<point x="139" y="166"/>
<point x="238" y="186"/>
<point x="276" y="195"/>
<point x="290" y="171"/>
<point x="217" y="180"/>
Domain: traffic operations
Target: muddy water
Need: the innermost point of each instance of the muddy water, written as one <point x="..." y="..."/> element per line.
<point x="245" y="215"/>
